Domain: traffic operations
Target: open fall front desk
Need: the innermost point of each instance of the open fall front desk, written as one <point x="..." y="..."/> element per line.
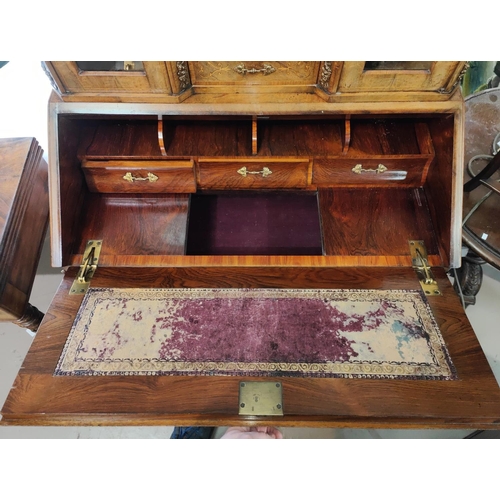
<point x="275" y="189"/>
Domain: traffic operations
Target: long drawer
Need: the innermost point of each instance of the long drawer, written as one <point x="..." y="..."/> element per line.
<point x="140" y="176"/>
<point x="252" y="173"/>
<point x="373" y="171"/>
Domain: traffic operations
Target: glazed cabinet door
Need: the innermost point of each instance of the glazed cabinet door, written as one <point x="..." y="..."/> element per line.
<point x="404" y="76"/>
<point x="110" y="77"/>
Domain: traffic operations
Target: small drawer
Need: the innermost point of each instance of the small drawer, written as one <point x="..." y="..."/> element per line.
<point x="252" y="173"/>
<point x="140" y="176"/>
<point x="374" y="171"/>
<point x="253" y="73"/>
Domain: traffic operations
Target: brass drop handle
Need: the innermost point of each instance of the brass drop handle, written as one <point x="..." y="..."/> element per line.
<point x="264" y="172"/>
<point x="150" y="177"/>
<point x="358" y="169"/>
<point x="267" y="69"/>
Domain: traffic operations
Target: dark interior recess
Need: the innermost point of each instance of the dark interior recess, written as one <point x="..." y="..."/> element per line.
<point x="254" y="223"/>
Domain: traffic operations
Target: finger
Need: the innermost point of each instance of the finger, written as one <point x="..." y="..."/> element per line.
<point x="271" y="431"/>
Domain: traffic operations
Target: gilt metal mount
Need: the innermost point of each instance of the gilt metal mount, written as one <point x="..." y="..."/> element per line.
<point x="87" y="268"/>
<point x="421" y="266"/>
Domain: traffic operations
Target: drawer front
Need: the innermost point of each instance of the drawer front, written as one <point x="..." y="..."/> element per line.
<point x="140" y="176"/>
<point x="379" y="171"/>
<point x="253" y="72"/>
<point x="249" y="173"/>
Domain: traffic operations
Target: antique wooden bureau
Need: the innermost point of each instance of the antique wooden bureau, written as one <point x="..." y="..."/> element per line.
<point x="183" y="175"/>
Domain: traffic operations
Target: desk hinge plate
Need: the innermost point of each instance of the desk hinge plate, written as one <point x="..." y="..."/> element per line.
<point x="87" y="268"/>
<point x="260" y="399"/>
<point x="421" y="266"/>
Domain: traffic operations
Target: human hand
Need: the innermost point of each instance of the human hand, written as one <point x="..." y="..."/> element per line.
<point x="252" y="433"/>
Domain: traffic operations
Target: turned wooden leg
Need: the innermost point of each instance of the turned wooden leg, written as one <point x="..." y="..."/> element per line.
<point x="470" y="277"/>
<point x="31" y="318"/>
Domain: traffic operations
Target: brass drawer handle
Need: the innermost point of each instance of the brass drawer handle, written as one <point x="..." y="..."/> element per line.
<point x="267" y="69"/>
<point x="264" y="172"/>
<point x="150" y="177"/>
<point x="358" y="169"/>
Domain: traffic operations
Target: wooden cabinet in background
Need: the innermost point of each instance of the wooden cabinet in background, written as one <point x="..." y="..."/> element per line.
<point x="24" y="214"/>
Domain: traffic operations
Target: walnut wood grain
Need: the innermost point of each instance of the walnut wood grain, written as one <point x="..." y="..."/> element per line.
<point x="379" y="136"/>
<point x="116" y="138"/>
<point x="172" y="176"/>
<point x="374" y="221"/>
<point x="224" y="173"/>
<point x="136" y="224"/>
<point x="24" y="212"/>
<point x="153" y="78"/>
<point x="329" y="172"/>
<point x="253" y="73"/>
<point x="210" y="137"/>
<point x="439" y="186"/>
<point x="347" y="134"/>
<point x="355" y="79"/>
<point x="161" y="141"/>
<point x="299" y="261"/>
<point x="472" y="401"/>
<point x="255" y="146"/>
<point x="300" y="137"/>
<point x="295" y="81"/>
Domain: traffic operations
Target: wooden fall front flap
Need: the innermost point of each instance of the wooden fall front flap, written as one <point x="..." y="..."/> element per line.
<point x="40" y="398"/>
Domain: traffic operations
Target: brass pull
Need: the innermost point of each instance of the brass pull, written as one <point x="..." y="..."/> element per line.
<point x="267" y="69"/>
<point x="358" y="169"/>
<point x="244" y="172"/>
<point x="150" y="177"/>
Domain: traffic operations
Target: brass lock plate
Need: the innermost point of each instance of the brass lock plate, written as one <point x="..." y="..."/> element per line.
<point x="260" y="399"/>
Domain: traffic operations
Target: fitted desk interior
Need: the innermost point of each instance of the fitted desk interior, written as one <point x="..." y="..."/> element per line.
<point x="245" y="191"/>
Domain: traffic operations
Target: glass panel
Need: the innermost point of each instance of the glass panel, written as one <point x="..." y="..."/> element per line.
<point x="110" y="65"/>
<point x="397" y="65"/>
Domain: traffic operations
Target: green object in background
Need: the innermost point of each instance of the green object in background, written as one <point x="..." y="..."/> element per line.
<point x="477" y="76"/>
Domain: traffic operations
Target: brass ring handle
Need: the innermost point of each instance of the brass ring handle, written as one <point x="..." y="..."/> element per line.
<point x="244" y="172"/>
<point x="267" y="69"/>
<point x="150" y="177"/>
<point x="358" y="169"/>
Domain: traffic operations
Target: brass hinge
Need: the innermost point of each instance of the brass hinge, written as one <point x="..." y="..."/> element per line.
<point x="87" y="268"/>
<point x="421" y="266"/>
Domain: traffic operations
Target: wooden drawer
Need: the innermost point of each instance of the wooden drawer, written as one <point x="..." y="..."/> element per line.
<point x="253" y="73"/>
<point x="140" y="176"/>
<point x="384" y="171"/>
<point x="252" y="173"/>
